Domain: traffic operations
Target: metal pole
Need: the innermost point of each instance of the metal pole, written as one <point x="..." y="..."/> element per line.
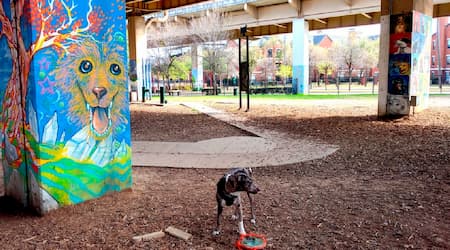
<point x="240" y="60"/>
<point x="161" y="95"/>
<point x="438" y="50"/>
<point x="248" y="74"/>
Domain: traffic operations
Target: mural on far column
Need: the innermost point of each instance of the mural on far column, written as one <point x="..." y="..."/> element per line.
<point x="399" y="64"/>
<point x="421" y="51"/>
<point x="65" y="117"/>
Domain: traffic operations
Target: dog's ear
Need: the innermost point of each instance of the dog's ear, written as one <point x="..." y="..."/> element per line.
<point x="231" y="183"/>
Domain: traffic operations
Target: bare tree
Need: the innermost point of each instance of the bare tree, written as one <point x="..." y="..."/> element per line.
<point x="369" y="56"/>
<point x="163" y="59"/>
<point x="164" y="37"/>
<point x="209" y="31"/>
<point x="348" y="54"/>
<point x="230" y="64"/>
<point x="317" y="56"/>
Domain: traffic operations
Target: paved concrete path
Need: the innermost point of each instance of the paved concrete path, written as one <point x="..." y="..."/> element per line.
<point x="266" y="148"/>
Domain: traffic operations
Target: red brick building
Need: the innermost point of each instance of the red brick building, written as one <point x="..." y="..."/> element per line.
<point x="440" y="52"/>
<point x="323" y="41"/>
<point x="271" y="55"/>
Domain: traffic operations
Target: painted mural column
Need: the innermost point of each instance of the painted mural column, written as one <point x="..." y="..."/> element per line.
<point x="64" y="103"/>
<point x="300" y="57"/>
<point x="137" y="47"/>
<point x="405" y="48"/>
<point x="197" y="67"/>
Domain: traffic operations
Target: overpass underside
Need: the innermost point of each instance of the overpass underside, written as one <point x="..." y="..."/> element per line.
<point x="363" y="18"/>
<point x="315" y="24"/>
<point x="271" y="17"/>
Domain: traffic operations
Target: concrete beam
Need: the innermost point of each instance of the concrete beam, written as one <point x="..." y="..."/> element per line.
<point x="286" y="12"/>
<point x="441" y="10"/>
<point x="366" y="15"/>
<point x="346" y="21"/>
<point x="296" y="4"/>
<point x="251" y="10"/>
<point x="320" y="21"/>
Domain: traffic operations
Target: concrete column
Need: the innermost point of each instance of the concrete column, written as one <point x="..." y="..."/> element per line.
<point x="300" y="57"/>
<point x="65" y="112"/>
<point x="137" y="47"/>
<point x="197" y="67"/>
<point x="405" y="47"/>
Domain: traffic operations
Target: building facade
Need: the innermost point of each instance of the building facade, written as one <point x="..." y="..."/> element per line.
<point x="440" y="52"/>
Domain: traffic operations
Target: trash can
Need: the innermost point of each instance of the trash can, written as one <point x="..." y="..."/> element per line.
<point x="234" y="91"/>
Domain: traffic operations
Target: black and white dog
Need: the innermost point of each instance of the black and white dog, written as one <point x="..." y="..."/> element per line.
<point x="229" y="187"/>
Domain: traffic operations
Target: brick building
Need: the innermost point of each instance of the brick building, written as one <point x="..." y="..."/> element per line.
<point x="440" y="52"/>
<point x="323" y="41"/>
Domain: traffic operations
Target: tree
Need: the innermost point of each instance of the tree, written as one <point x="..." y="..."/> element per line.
<point x="348" y="54"/>
<point x="162" y="61"/>
<point x="164" y="41"/>
<point x="181" y="68"/>
<point x="285" y="71"/>
<point x="232" y="59"/>
<point x="326" y="68"/>
<point x="209" y="31"/>
<point x="317" y="55"/>
<point x="369" y="56"/>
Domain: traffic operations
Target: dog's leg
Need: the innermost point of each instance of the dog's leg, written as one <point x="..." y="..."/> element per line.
<point x="250" y="198"/>
<point x="238" y="212"/>
<point x="219" y="213"/>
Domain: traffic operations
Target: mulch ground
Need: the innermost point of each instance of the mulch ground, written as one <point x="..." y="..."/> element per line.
<point x="387" y="187"/>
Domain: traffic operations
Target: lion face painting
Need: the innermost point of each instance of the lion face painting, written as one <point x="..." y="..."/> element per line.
<point x="94" y="75"/>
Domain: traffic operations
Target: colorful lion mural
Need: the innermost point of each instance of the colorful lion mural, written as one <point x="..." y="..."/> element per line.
<point x="65" y="118"/>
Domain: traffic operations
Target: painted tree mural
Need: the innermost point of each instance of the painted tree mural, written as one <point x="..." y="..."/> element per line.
<point x="65" y="129"/>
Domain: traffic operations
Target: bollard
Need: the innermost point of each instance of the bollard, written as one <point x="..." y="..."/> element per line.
<point x="161" y="95"/>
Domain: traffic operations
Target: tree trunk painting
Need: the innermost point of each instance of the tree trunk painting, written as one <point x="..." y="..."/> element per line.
<point x="64" y="111"/>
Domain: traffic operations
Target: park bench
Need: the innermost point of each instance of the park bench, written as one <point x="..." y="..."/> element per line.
<point x="174" y="91"/>
<point x="210" y="91"/>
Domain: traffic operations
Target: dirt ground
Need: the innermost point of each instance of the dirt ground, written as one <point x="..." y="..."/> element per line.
<point x="387" y="187"/>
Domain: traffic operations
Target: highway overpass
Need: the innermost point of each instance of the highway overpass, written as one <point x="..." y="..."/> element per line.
<point x="269" y="17"/>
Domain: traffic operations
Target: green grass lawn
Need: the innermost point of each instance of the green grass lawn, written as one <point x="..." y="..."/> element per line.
<point x="280" y="97"/>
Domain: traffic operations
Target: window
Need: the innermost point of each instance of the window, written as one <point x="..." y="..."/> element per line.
<point x="434" y="44"/>
<point x="448" y="59"/>
<point x="448" y="43"/>
<point x="269" y="53"/>
<point x="433" y="60"/>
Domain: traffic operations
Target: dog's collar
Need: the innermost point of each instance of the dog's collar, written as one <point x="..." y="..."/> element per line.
<point x="230" y="195"/>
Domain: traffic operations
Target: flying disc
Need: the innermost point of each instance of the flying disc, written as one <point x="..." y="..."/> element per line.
<point x="251" y="241"/>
